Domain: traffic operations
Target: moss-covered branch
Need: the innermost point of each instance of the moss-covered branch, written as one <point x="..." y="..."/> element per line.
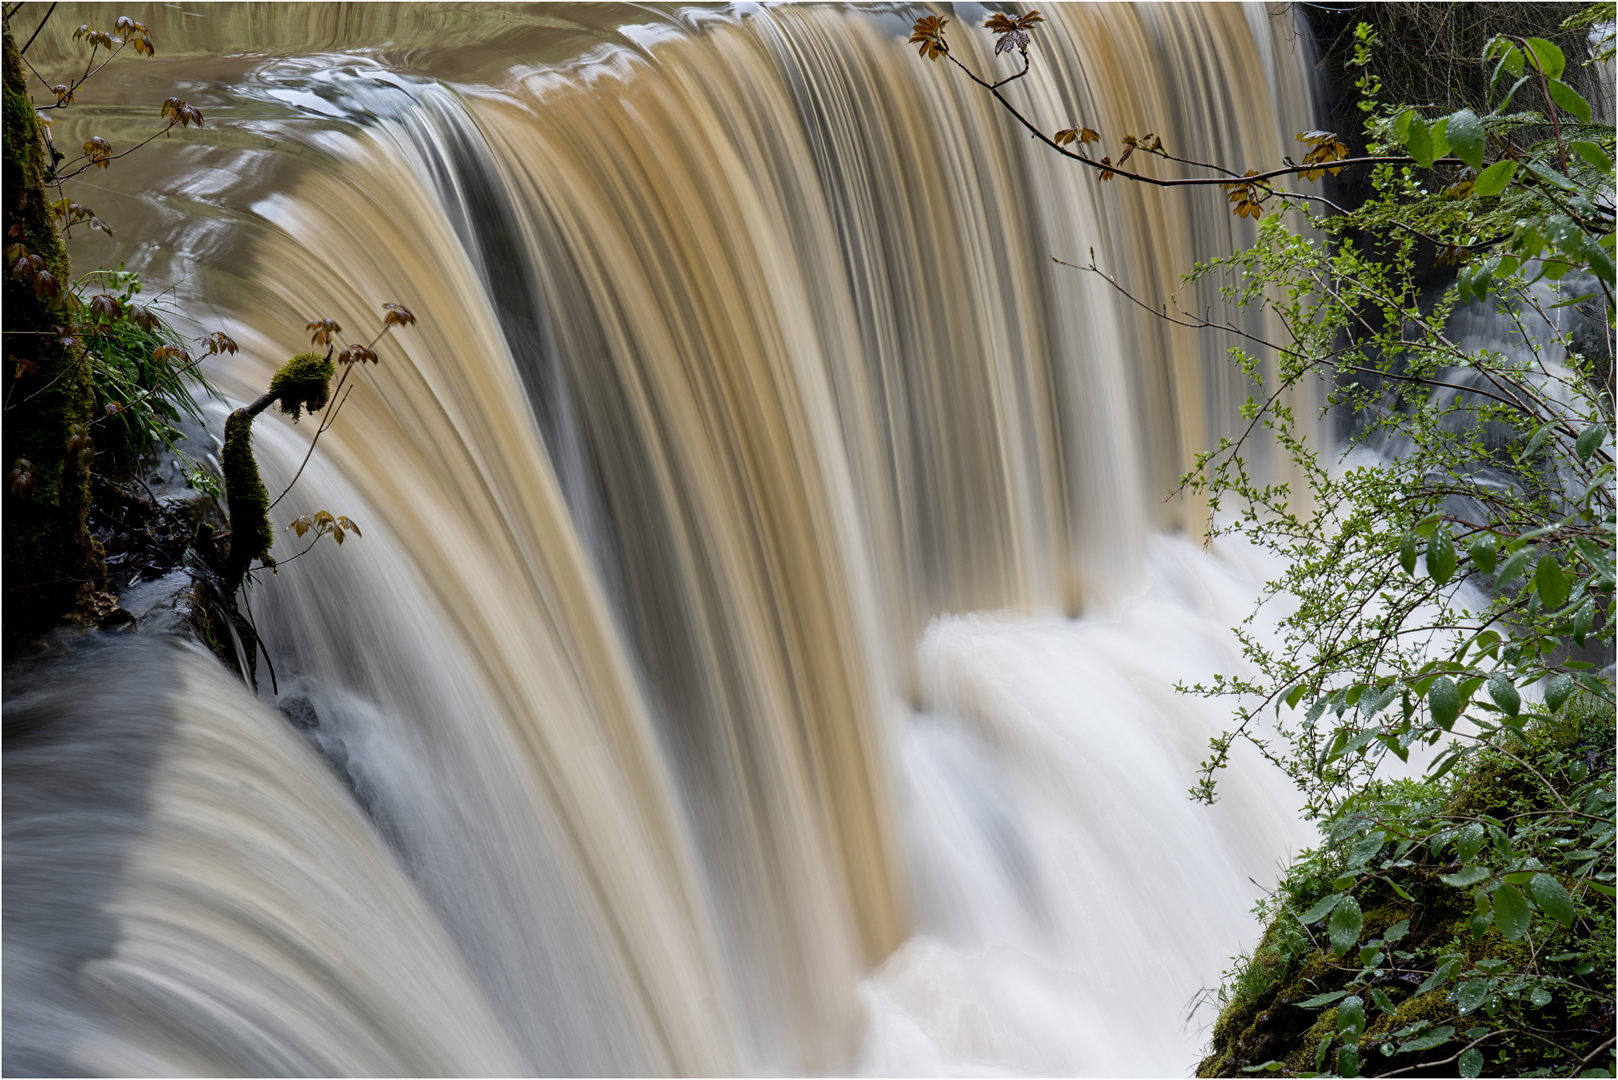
<point x="303" y="382"/>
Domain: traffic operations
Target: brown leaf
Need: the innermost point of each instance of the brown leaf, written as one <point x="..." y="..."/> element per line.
<point x="928" y="32"/>
<point x="323" y="331"/>
<point x="21" y="478"/>
<point x="219" y="342"/>
<point x="98" y="151"/>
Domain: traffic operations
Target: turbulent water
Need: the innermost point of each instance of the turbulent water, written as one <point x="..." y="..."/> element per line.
<point x="649" y="728"/>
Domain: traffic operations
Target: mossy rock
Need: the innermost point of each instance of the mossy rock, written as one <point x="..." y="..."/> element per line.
<point x="1261" y="1021"/>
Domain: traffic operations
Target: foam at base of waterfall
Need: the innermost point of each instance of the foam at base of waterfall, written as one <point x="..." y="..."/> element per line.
<point x="1070" y="898"/>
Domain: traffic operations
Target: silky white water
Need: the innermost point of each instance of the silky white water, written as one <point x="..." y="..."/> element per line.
<point x="653" y="728"/>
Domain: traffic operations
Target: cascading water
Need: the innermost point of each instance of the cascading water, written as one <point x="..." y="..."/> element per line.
<point x="742" y="364"/>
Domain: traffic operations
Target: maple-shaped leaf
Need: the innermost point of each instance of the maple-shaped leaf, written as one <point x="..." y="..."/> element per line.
<point x="1012" y="30"/>
<point x="219" y="342"/>
<point x="397" y="315"/>
<point x="1077" y="132"/>
<point x="322" y="329"/>
<point x="106" y="306"/>
<point x="181" y="112"/>
<point x="20" y="479"/>
<point x="98" y="151"/>
<point x="138" y="35"/>
<point x="928" y="32"/>
<point x="1106" y="171"/>
<point x="356" y="354"/>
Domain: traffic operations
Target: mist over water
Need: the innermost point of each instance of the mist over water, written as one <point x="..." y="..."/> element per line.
<point x="759" y="656"/>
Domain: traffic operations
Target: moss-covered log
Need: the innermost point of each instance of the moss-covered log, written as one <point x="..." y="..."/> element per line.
<point x="49" y="555"/>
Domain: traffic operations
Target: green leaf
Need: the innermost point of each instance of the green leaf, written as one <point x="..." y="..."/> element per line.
<point x="1351" y="1016"/>
<point x="1435" y="1037"/>
<point x="1401" y="125"/>
<point x="1511" y="914"/>
<point x="1558" y="690"/>
<point x="1348" y="1061"/>
<point x="1294" y="695"/>
<point x="1470" y="1063"/>
<point x="1592" y="153"/>
<point x="1396" y="932"/>
<point x="1540" y="996"/>
<point x="1505" y="695"/>
<point x="1514" y="565"/>
<point x="1444" y="699"/>
<point x="1552" y="584"/>
<point x="1408" y="544"/>
<point x="1537" y="439"/>
<point x="1321" y="1050"/>
<point x="1582" y="620"/>
<point x="1469" y="841"/>
<point x="1552" y="899"/>
<point x="1493" y="180"/>
<point x="1440" y="556"/>
<point x="1465" y="876"/>
<point x="1344" y="928"/>
<point x="1367" y="847"/>
<point x="1466" y="137"/>
<point x="1419" y="141"/>
<point x="1470" y="994"/>
<point x="1320" y="910"/>
<point x="1440" y="137"/>
<point x="1383" y="1002"/>
<point x="1568" y="100"/>
<point x="1548" y="57"/>
<point x="1323" y="999"/>
<point x="1590" y="439"/>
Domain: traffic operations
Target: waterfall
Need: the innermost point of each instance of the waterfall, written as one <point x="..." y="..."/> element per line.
<point x="648" y="728"/>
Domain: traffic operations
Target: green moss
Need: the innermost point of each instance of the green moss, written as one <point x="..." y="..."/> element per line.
<point x="245" y="498"/>
<point x="1261" y="1020"/>
<point x="49" y="556"/>
<point x="303" y="382"/>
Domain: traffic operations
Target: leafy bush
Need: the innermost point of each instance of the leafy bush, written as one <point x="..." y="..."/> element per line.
<point x="145" y="379"/>
<point x="1451" y="925"/>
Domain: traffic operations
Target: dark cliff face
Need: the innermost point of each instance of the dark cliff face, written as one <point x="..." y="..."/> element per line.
<point x="48" y="440"/>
